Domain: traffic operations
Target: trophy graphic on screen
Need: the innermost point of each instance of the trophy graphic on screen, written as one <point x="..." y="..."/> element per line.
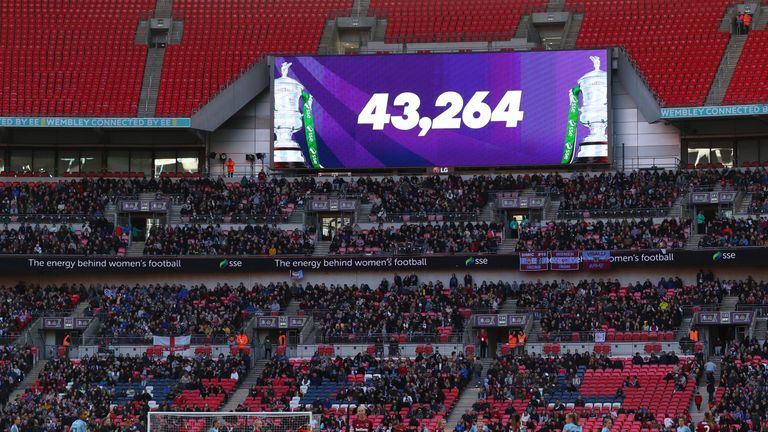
<point x="593" y="114"/>
<point x="288" y="120"/>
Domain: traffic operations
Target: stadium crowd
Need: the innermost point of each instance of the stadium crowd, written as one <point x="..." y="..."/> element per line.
<point x="429" y="238"/>
<point x="84" y="197"/>
<point x="245" y="201"/>
<point x="140" y="311"/>
<point x="453" y="196"/>
<point x="15" y="363"/>
<point x="23" y="302"/>
<point x="67" y="388"/>
<point x="521" y="391"/>
<point x="725" y="232"/>
<point x="420" y="310"/>
<point x="591" y="304"/>
<point x="616" y="192"/>
<point x="398" y="391"/>
<point x="95" y="237"/>
<point x="614" y="235"/>
<point x="744" y="375"/>
<point x="214" y="240"/>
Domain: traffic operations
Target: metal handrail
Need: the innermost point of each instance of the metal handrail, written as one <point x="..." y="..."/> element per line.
<point x="50" y="218"/>
<point x="597" y="213"/>
<point x="455" y="337"/>
<point x="446" y="216"/>
<point x="589" y="336"/>
<point x="195" y="339"/>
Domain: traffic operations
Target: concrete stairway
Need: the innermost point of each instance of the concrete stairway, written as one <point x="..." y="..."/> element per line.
<point x="177" y="32"/>
<point x="729" y="303"/>
<point x="508" y="307"/>
<point x="467" y="398"/>
<point x="508" y="246"/>
<point x="360" y="8"/>
<point x="110" y="212"/>
<point x="726" y="69"/>
<point x="536" y="326"/>
<point x="322" y="248"/>
<point x="486" y="214"/>
<point x="696" y="414"/>
<point x="522" y="27"/>
<point x="327" y="45"/>
<point x="28" y="380"/>
<point x="142" y="33"/>
<point x="163" y="8"/>
<point x="135" y="249"/>
<point x="381" y="30"/>
<point x="693" y="241"/>
<point x="550" y="210"/>
<point x="292" y="308"/>
<point x="572" y="31"/>
<point x="676" y="211"/>
<point x="150" y="84"/>
<point x="363" y="211"/>
<point x="555" y="5"/>
<point x="762" y="19"/>
<point x="685" y="328"/>
<point x="761" y="327"/>
<point x="742" y="207"/>
<point x="297" y="217"/>
<point x="80" y="309"/>
<point x="174" y="215"/>
<point x="241" y="393"/>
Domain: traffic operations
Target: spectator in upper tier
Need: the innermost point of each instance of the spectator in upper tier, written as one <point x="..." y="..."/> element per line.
<point x="725" y="232"/>
<point x="213" y="240"/>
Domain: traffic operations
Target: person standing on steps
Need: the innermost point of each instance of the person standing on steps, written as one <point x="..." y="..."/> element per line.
<point x="701" y="221"/>
<point x="267" y="348"/>
<point x="230" y="167"/>
<point x="483" y="337"/>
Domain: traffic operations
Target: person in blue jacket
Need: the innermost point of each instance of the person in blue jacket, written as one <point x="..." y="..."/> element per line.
<point x="571" y="423"/>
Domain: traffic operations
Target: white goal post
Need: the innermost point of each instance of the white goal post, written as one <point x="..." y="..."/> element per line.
<point x="170" y="421"/>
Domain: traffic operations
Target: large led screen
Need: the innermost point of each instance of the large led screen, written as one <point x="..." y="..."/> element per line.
<point x="440" y="110"/>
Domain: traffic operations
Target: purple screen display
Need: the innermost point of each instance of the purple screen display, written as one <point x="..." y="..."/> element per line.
<point x="453" y="110"/>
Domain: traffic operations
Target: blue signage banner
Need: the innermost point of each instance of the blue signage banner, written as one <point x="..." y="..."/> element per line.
<point x="93" y="122"/>
<point x="714" y="111"/>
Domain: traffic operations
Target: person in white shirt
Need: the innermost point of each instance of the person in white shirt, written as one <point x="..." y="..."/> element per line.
<point x="234" y="375"/>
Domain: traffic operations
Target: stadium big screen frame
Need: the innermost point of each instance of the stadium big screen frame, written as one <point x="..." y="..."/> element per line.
<point x="506" y="109"/>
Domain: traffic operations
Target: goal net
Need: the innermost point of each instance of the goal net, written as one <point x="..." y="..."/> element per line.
<point x="230" y="421"/>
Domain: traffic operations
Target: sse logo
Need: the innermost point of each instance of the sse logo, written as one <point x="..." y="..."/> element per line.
<point x="230" y="264"/>
<point x="723" y="256"/>
<point x="472" y="261"/>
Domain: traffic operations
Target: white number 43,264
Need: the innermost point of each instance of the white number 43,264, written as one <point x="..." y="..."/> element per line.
<point x="475" y="114"/>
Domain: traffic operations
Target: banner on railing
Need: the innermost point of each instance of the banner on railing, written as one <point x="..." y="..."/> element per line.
<point x="525" y="261"/>
<point x="172" y="343"/>
<point x="95" y="122"/>
<point x="564" y="260"/>
<point x="596" y="260"/>
<point x="534" y="261"/>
